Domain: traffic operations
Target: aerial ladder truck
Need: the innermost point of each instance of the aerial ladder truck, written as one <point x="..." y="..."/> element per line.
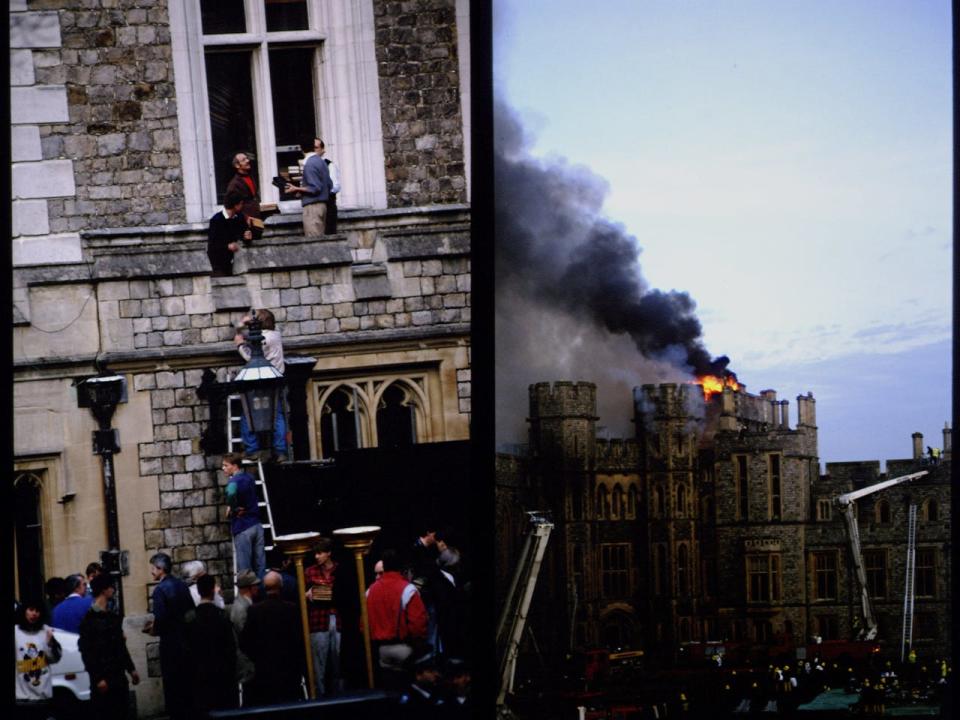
<point x="847" y="502"/>
<point x="513" y="618"/>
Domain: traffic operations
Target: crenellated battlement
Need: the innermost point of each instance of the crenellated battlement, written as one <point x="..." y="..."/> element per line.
<point x="563" y="399"/>
<point x="618" y="453"/>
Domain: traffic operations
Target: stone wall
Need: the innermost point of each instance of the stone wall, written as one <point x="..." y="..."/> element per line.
<point x="416" y="47"/>
<point x="120" y="133"/>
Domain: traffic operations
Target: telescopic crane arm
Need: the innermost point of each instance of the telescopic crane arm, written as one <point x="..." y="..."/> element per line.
<point x="513" y="618"/>
<point x="846" y="503"/>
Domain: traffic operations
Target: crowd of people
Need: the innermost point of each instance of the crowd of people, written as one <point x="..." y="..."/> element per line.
<point x="251" y="652"/>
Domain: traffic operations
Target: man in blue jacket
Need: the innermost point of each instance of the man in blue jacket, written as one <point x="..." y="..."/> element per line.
<point x="314" y="189"/>
<point x="68" y="614"/>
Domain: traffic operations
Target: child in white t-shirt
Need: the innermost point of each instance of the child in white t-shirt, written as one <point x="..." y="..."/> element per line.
<point x="36" y="649"/>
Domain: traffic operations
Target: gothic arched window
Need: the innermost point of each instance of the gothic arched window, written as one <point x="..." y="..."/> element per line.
<point x="619" y="510"/>
<point x="681" y="500"/>
<point x="683" y="570"/>
<point x="342" y="421"/>
<point x="396" y="417"/>
<point x="882" y="512"/>
<point x="632" y="502"/>
<point x="28" y="529"/>
<point x="603" y="503"/>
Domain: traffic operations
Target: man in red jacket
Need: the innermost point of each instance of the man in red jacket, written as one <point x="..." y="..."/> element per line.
<point x="398" y="618"/>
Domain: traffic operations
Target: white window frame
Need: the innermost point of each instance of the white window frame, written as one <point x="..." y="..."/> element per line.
<point x="347" y="97"/>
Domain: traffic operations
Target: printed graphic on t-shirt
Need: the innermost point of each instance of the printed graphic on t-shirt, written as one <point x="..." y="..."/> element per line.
<point x="33" y="664"/>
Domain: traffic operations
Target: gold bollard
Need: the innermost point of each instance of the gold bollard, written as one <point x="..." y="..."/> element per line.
<point x="296" y="546"/>
<point x="359" y="539"/>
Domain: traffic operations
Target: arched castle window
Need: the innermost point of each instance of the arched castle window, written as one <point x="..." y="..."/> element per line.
<point x="931" y="511"/>
<point x="342" y="421"/>
<point x="659" y="501"/>
<point x="603" y="503"/>
<point x="683" y="570"/>
<point x="396" y="417"/>
<point x="881" y="512"/>
<point x="681" y="500"/>
<point x="28" y="537"/>
<point x="619" y="510"/>
<point x="388" y="412"/>
<point x="632" y="502"/>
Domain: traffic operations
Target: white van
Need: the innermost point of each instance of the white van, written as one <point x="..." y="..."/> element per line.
<point x="71" y="683"/>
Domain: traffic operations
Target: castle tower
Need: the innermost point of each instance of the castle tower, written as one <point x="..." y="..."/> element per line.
<point x="563" y="419"/>
<point x="668" y="432"/>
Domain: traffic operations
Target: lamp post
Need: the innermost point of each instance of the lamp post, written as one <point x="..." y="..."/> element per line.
<point x="101" y="395"/>
<point x="259" y="384"/>
<point x="295" y="546"/>
<point x="359" y="539"/>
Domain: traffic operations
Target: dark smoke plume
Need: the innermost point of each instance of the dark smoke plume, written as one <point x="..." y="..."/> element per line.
<point x="556" y="258"/>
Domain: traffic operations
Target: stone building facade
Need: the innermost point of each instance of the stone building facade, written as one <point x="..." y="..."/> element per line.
<point x="714" y="524"/>
<point x="117" y="139"/>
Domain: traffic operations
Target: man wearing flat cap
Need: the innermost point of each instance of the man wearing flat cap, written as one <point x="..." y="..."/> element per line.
<point x="248" y="587"/>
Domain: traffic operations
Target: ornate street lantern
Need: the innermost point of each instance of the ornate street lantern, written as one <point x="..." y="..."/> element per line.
<point x="259" y="384"/>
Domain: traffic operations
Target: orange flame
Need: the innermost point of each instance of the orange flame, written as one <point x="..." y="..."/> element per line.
<point x="712" y="384"/>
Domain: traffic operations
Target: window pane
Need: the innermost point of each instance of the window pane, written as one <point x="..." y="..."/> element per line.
<point x="294" y="117"/>
<point x="286" y="15"/>
<point x="395" y="419"/>
<point x="222" y="16"/>
<point x="231" y="112"/>
<point x="29" y="536"/>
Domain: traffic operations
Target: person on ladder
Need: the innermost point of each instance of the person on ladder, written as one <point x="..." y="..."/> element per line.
<point x="273" y="352"/>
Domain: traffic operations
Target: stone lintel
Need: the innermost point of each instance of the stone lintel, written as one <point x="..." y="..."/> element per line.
<point x="135" y="263"/>
<point x="413" y="244"/>
<point x="292" y="254"/>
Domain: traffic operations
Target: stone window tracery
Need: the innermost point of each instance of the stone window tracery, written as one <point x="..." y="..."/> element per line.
<point x="763" y="578"/>
<point x="825" y="575"/>
<point x="619" y="507"/>
<point x="603" y="503"/>
<point x="385" y="411"/>
<point x="615" y="569"/>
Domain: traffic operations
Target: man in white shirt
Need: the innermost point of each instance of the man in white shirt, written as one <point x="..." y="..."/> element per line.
<point x="273" y="352"/>
<point x="330" y="223"/>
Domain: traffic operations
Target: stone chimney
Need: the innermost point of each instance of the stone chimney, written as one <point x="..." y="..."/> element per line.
<point x="947" y="441"/>
<point x="785" y="414"/>
<point x="728" y="409"/>
<point x="806" y="410"/>
<point x="917" y="446"/>
<point x="770" y="409"/>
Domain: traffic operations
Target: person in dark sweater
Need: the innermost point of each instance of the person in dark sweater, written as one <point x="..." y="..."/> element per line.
<point x="273" y="640"/>
<point x="212" y="651"/>
<point x="227" y="228"/>
<point x="103" y="648"/>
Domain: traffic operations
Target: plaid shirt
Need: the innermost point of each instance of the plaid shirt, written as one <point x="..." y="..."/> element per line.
<point x="319" y="612"/>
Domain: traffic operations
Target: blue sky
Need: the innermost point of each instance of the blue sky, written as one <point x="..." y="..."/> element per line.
<point x="788" y="164"/>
